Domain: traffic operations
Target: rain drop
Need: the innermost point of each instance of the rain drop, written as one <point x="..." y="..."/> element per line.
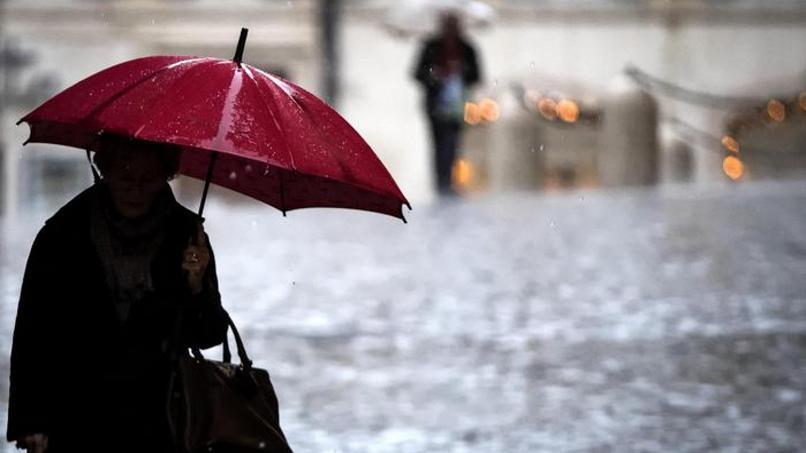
<point x="532" y="65"/>
<point x="233" y="175"/>
<point x="533" y="149"/>
<point x="551" y="224"/>
<point x="542" y="147"/>
<point x="248" y="168"/>
<point x="581" y="198"/>
<point x="261" y="445"/>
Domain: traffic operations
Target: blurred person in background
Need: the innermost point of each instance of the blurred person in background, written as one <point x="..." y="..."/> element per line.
<point x="447" y="68"/>
<point x="105" y="280"/>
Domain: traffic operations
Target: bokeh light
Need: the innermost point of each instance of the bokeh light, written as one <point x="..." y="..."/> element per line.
<point x="547" y="108"/>
<point x="733" y="167"/>
<point x="568" y="111"/>
<point x="490" y="111"/>
<point x="472" y="113"/>
<point x="462" y="173"/>
<point x="731" y="144"/>
<point x="776" y="110"/>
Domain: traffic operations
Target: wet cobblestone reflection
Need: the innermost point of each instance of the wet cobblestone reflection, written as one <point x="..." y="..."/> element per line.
<point x="636" y="320"/>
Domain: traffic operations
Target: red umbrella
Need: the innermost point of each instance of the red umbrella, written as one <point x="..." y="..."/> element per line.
<point x="267" y="137"/>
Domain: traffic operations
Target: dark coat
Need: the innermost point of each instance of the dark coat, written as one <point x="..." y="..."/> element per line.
<point x="77" y="373"/>
<point x="428" y="59"/>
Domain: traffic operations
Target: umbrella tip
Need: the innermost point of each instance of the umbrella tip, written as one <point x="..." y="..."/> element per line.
<point x="241" y="44"/>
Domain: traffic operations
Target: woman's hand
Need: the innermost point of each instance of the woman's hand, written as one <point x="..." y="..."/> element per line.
<point x="195" y="260"/>
<point x="33" y="443"/>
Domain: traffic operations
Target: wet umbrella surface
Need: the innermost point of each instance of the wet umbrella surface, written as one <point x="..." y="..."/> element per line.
<point x="239" y="127"/>
<point x="662" y="320"/>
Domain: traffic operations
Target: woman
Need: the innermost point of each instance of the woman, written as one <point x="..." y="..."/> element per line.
<point x="105" y="280"/>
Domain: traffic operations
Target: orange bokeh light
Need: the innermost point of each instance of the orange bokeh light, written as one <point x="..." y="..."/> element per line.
<point x="568" y="111"/>
<point x="462" y="173"/>
<point x="733" y="167"/>
<point x="731" y="144"/>
<point x="547" y="108"/>
<point x="490" y="111"/>
<point x="472" y="113"/>
<point x="776" y="110"/>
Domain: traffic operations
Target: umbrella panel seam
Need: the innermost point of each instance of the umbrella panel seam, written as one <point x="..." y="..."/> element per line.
<point x="265" y="103"/>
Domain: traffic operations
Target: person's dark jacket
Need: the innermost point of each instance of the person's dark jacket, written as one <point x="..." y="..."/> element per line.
<point x="424" y="71"/>
<point x="80" y="375"/>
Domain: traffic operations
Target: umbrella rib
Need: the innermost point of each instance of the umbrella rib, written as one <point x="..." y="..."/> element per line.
<point x="273" y="117"/>
<point x="154" y="108"/>
<point x="225" y="121"/>
<point x="283" y="86"/>
<point x="265" y="103"/>
<point x="279" y="83"/>
<point x="129" y="88"/>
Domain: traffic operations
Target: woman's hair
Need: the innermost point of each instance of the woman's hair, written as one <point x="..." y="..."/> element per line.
<point x="110" y="144"/>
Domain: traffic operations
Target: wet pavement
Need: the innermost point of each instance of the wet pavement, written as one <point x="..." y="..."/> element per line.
<point x="670" y="319"/>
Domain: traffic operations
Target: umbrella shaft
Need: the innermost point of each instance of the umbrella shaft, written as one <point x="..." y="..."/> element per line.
<point x="207" y="182"/>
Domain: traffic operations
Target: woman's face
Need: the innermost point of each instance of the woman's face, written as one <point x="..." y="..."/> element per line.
<point x="135" y="176"/>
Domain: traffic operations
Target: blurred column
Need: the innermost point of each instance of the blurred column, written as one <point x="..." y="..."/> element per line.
<point x="15" y="99"/>
<point x="329" y="22"/>
<point x="515" y="159"/>
<point x="629" y="154"/>
<point x="12" y="60"/>
<point x="4" y="194"/>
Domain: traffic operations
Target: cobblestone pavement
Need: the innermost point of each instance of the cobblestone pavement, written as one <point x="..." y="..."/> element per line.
<point x="670" y="319"/>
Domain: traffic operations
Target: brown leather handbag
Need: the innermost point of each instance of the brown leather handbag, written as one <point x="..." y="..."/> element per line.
<point x="223" y="407"/>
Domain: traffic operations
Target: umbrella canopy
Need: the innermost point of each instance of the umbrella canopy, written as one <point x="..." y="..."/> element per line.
<point x="270" y="139"/>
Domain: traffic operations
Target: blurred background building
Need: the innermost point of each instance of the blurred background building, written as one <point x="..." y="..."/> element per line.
<point x="575" y="93"/>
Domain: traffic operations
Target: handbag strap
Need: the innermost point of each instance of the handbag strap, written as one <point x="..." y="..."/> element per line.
<point x="246" y="362"/>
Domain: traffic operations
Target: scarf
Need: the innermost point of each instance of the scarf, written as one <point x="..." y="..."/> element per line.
<point x="126" y="247"/>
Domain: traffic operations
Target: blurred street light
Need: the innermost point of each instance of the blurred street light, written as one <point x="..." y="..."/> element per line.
<point x="568" y="111"/>
<point x="462" y="173"/>
<point x="547" y="108"/>
<point x="776" y="110"/>
<point x="472" y="113"/>
<point x="733" y="167"/>
<point x="730" y="143"/>
<point x="490" y="111"/>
